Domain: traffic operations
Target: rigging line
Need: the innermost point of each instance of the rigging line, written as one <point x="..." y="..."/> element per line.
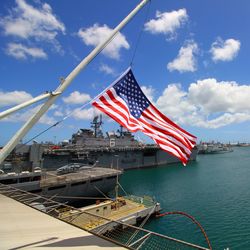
<point x="71" y="113"/>
<point x="55" y="124"/>
<point x="101" y="192"/>
<point x="142" y="224"/>
<point x="140" y="34"/>
<point x="122" y="188"/>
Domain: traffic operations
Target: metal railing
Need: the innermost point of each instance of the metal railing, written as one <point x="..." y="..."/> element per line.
<point x="120" y="233"/>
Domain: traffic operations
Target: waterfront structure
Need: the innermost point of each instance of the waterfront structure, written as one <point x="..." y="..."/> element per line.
<point x="83" y="182"/>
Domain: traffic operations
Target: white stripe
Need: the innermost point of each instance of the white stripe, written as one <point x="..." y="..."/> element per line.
<point x="112" y="112"/>
<point x="179" y="138"/>
<point x="191" y="138"/>
<point x="163" y="146"/>
<point x="131" y="119"/>
<point x="172" y="146"/>
<point x="161" y="120"/>
<point x="167" y="137"/>
<point x="167" y="148"/>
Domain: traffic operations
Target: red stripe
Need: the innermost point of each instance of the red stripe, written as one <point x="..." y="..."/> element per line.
<point x="182" y="159"/>
<point x="109" y="114"/>
<point x="187" y="140"/>
<point x="168" y="143"/>
<point x="181" y="140"/>
<point x="126" y="117"/>
<point x="171" y="122"/>
<point x="121" y="105"/>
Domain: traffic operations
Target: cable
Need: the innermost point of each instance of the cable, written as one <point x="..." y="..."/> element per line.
<point x="55" y="124"/>
<point x="140" y="35"/>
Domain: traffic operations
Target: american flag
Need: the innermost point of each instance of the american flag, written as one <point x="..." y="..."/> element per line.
<point x="125" y="102"/>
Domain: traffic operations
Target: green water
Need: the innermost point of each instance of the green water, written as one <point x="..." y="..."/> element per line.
<point x="215" y="190"/>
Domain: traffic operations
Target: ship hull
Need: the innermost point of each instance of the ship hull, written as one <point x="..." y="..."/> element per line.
<point x="94" y="182"/>
<point x="122" y="158"/>
<point x="70" y="191"/>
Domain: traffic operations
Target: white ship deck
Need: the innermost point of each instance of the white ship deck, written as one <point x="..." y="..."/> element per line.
<point x="27" y="228"/>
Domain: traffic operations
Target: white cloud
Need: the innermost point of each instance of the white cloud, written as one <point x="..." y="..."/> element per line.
<point x="84" y="114"/>
<point x="149" y="92"/>
<point x="77" y="98"/>
<point x="96" y="34"/>
<point x="207" y="103"/>
<point x="13" y="97"/>
<point x="213" y="96"/>
<point x="185" y="60"/>
<point x="174" y="102"/>
<point x="26" y="21"/>
<point x="225" y="50"/>
<point x="20" y="51"/>
<point x="58" y="113"/>
<point x="23" y="116"/>
<point x="107" y="69"/>
<point x="167" y="22"/>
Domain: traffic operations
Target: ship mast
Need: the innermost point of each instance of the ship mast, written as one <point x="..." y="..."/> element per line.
<point x="96" y="125"/>
<point x="64" y="84"/>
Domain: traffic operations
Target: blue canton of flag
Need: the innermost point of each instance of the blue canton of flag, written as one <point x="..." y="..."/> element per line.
<point x="125" y="102"/>
<point x="129" y="90"/>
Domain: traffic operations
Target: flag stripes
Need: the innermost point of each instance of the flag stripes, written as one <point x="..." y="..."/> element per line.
<point x="168" y="135"/>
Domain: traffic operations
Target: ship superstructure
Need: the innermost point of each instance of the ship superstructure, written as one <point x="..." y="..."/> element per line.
<point x="118" y="148"/>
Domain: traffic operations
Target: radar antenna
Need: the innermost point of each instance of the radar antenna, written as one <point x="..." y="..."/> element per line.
<point x="96" y="125"/>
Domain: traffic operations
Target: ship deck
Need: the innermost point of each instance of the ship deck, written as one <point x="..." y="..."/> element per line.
<point x="52" y="178"/>
<point x="27" y="228"/>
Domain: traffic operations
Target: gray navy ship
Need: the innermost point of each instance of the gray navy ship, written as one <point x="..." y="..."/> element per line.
<point x="117" y="149"/>
<point x="114" y="150"/>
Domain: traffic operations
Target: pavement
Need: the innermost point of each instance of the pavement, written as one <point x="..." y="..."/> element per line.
<point x="23" y="227"/>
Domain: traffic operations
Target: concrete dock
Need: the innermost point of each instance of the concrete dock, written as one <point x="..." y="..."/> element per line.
<point x="23" y="227"/>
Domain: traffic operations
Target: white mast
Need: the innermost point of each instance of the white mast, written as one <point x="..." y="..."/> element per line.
<point x="64" y="84"/>
<point x="25" y="104"/>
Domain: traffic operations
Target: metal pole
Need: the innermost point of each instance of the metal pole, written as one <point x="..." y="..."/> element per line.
<point x="30" y="123"/>
<point x="25" y="104"/>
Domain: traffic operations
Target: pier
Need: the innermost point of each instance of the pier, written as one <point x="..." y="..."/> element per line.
<point x="30" y="221"/>
<point x="25" y="227"/>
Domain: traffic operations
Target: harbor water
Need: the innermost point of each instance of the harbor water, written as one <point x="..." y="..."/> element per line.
<point x="215" y="190"/>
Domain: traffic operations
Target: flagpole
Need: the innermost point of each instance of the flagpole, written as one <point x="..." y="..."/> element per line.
<point x="64" y="84"/>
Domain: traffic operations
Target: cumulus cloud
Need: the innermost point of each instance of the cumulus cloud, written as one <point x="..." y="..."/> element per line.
<point x="107" y="69"/>
<point x="77" y="98"/>
<point x="85" y="114"/>
<point x="167" y="22"/>
<point x="13" y="97"/>
<point x="214" y="96"/>
<point x="96" y="34"/>
<point x="23" y="116"/>
<point x="185" y="60"/>
<point x="225" y="50"/>
<point x="207" y="103"/>
<point x="28" y="22"/>
<point x="149" y="92"/>
<point x="20" y="51"/>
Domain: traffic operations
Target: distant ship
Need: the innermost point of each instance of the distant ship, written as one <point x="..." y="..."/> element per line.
<point x="214" y="148"/>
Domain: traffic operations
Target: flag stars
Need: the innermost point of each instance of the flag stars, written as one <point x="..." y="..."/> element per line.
<point x="128" y="89"/>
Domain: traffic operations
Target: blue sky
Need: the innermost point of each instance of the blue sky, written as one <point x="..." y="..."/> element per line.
<point x="192" y="61"/>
